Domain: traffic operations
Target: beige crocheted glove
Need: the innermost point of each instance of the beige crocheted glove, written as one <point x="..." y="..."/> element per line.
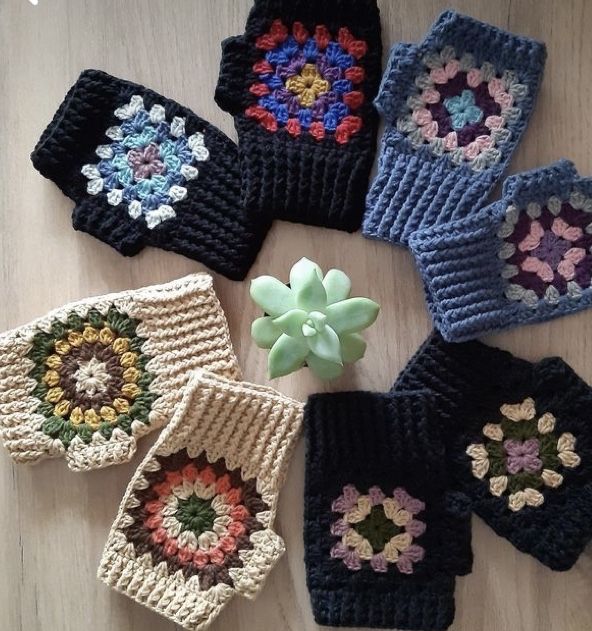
<point x="88" y="379"/>
<point x="195" y="524"/>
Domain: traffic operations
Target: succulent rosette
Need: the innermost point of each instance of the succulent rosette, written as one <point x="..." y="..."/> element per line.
<point x="310" y="322"/>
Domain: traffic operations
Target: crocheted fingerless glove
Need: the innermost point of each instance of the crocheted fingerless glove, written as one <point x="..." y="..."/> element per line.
<point x="455" y="107"/>
<point x="87" y="380"/>
<point x="196" y="522"/>
<point x="300" y="84"/>
<point x="519" y="442"/>
<point x="143" y="170"/>
<point x="384" y="537"/>
<point x="523" y="259"/>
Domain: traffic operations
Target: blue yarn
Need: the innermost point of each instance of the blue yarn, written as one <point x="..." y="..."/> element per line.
<point x="462" y="270"/>
<point x="419" y="185"/>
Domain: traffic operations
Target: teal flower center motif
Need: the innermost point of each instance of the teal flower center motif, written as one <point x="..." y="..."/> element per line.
<point x="463" y="110"/>
<point x="148" y="163"/>
<point x="196" y="514"/>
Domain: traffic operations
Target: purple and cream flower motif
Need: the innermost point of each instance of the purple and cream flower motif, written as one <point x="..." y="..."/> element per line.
<point x="377" y="529"/>
<point x="148" y="162"/>
<point x="522" y="455"/>
<point x="462" y="110"/>
<point x="547" y="249"/>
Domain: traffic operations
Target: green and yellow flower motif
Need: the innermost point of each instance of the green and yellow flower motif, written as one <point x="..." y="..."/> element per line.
<point x="523" y="455"/>
<point x="91" y="376"/>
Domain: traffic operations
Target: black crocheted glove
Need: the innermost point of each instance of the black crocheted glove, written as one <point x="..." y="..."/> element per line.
<point x="519" y="442"/>
<point x="143" y="170"/>
<point x="384" y="538"/>
<point x="300" y="84"/>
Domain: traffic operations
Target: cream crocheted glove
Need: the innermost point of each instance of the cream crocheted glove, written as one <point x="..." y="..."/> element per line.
<point x="88" y="379"/>
<point x="195" y="524"/>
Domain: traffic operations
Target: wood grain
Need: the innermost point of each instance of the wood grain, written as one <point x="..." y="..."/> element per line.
<point x="54" y="522"/>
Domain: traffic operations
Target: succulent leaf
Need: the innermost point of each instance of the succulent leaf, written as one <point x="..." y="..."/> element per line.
<point x="272" y="295"/>
<point x="312" y="295"/>
<point x="291" y="322"/>
<point x="308" y="330"/>
<point x="286" y="356"/>
<point x="353" y="347"/>
<point x="322" y="368"/>
<point x="300" y="273"/>
<point x="352" y="315"/>
<point x="265" y="332"/>
<point x="318" y="320"/>
<point x="337" y="285"/>
<point x="325" y="344"/>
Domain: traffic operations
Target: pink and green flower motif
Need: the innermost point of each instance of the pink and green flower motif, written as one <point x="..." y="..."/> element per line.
<point x="462" y="110"/>
<point x="547" y="250"/>
<point x="148" y="162"/>
<point x="196" y="516"/>
<point x="522" y="455"/>
<point x="90" y="376"/>
<point x="309" y="83"/>
<point x="377" y="530"/>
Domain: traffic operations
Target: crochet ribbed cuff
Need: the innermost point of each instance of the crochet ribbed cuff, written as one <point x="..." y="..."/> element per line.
<point x="143" y="170"/>
<point x="196" y="523"/>
<point x="455" y="107"/>
<point x="300" y="84"/>
<point x="518" y="442"/>
<point x="523" y="259"/>
<point x="384" y="536"/>
<point x="90" y="378"/>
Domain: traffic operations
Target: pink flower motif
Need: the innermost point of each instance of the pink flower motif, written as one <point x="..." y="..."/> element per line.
<point x="376" y="495"/>
<point x="415" y="528"/>
<point x="145" y="162"/>
<point x="339" y="528"/>
<point x="347" y="500"/>
<point x="407" y="558"/>
<point x="407" y="502"/>
<point x="522" y="456"/>
<point x="379" y="563"/>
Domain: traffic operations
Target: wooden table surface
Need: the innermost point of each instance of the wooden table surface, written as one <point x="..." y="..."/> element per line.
<point x="55" y="522"/>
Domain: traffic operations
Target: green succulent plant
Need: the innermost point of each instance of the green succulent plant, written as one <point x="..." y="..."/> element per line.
<point x="312" y="321"/>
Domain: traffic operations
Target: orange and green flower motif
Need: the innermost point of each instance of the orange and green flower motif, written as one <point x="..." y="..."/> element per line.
<point x="377" y="529"/>
<point x="309" y="83"/>
<point x="91" y="376"/>
<point x="196" y="516"/>
<point x="522" y="455"/>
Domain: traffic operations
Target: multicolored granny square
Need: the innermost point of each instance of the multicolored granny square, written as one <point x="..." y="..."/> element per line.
<point x="309" y="83"/>
<point x="148" y="162"/>
<point x="547" y="249"/>
<point x="91" y="376"/>
<point x="195" y="516"/>
<point x="462" y="109"/>
<point x="377" y="529"/>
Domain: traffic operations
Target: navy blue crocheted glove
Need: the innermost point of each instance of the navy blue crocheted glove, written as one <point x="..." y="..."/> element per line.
<point x="384" y="535"/>
<point x="455" y="107"/>
<point x="518" y="441"/>
<point x="300" y="84"/>
<point x="523" y="259"/>
<point x="143" y="170"/>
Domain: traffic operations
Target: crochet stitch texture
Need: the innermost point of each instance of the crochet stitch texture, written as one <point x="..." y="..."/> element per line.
<point x="518" y="442"/>
<point x="143" y="170"/>
<point x="525" y="258"/>
<point x="87" y="380"/>
<point x="384" y="538"/>
<point x="300" y="84"/>
<point x="455" y="108"/>
<point x="196" y="523"/>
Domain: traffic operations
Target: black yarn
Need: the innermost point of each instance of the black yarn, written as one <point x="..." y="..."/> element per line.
<point x="300" y="179"/>
<point x="472" y="381"/>
<point x="210" y="225"/>
<point x="388" y="440"/>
